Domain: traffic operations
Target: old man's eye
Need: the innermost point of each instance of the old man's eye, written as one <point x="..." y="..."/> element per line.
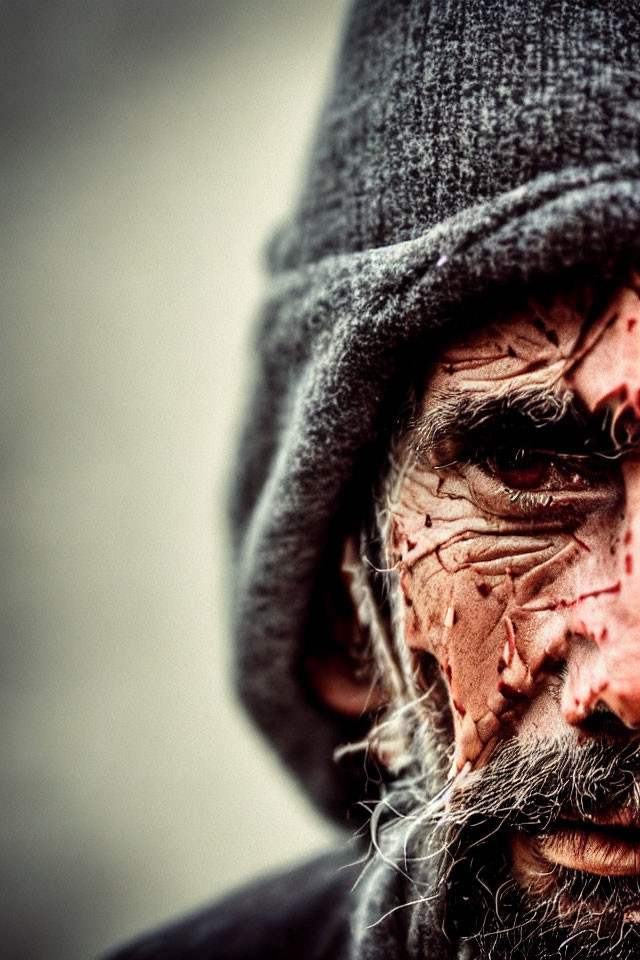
<point x="518" y="482"/>
<point x="521" y="469"/>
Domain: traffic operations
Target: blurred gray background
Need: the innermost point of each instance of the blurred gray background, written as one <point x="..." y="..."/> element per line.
<point x="148" y="148"/>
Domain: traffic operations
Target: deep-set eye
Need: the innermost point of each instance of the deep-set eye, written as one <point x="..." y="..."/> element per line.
<point x="520" y="469"/>
<point x="540" y="484"/>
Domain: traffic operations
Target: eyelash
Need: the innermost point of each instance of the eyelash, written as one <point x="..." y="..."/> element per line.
<point x="541" y="497"/>
<point x="568" y="476"/>
<point x="527" y="500"/>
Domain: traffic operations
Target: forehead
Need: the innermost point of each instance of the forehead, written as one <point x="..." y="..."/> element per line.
<point x="581" y="339"/>
<point x="529" y="342"/>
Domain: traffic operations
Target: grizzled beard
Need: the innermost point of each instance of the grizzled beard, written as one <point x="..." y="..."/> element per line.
<point x="567" y="914"/>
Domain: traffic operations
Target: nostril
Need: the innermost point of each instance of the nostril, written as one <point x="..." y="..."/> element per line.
<point x="602" y="721"/>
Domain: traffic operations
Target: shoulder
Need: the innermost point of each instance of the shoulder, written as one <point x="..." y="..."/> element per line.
<point x="303" y="912"/>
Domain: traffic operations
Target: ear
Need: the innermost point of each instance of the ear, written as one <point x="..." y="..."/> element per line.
<point x="336" y="681"/>
<point x="343" y="676"/>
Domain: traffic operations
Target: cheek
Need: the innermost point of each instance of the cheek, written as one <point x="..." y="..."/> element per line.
<point x="459" y="612"/>
<point x="496" y="608"/>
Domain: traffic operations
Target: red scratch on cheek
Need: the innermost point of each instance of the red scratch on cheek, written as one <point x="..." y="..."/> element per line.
<point x="581" y="543"/>
<point x="628" y="537"/>
<point x="614" y="588"/>
<point x="628" y="563"/>
<point x="510" y="643"/>
<point x="631" y="322"/>
<point x="563" y="602"/>
<point x="450" y="618"/>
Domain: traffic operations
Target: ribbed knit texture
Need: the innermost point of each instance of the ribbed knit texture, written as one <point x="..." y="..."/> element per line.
<point x="468" y="147"/>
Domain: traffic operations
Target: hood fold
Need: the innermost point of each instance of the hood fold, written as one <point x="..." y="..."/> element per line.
<point x="409" y="225"/>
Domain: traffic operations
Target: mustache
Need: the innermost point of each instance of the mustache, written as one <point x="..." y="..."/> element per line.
<point x="531" y="785"/>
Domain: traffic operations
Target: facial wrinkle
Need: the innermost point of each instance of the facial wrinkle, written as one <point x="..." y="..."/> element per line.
<point x="502" y="592"/>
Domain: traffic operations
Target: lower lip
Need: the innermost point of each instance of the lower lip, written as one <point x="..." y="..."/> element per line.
<point x="590" y="851"/>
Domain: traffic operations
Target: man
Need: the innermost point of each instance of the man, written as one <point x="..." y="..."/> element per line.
<point x="437" y="506"/>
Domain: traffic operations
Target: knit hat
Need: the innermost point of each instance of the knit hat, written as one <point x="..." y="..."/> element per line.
<point x="468" y="147"/>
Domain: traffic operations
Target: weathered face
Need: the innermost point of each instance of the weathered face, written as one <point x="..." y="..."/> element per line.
<point x="515" y="532"/>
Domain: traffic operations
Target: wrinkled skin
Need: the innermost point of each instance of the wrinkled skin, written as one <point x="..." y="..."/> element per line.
<point x="522" y="577"/>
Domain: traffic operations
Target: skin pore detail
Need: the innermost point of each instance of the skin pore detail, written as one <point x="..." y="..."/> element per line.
<point x="514" y="524"/>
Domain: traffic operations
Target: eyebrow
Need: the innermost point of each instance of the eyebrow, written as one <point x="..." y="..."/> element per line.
<point x="557" y="416"/>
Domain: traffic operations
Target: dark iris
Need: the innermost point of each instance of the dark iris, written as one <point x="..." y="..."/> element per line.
<point x="520" y="469"/>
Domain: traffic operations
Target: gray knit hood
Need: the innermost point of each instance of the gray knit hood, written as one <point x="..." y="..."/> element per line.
<point x="467" y="147"/>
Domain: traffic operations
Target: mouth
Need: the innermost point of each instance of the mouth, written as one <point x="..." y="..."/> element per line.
<point x="605" y="845"/>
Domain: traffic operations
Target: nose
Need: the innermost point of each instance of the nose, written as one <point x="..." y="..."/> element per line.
<point x="604" y="666"/>
<point x="611" y="683"/>
<point x="604" y="659"/>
